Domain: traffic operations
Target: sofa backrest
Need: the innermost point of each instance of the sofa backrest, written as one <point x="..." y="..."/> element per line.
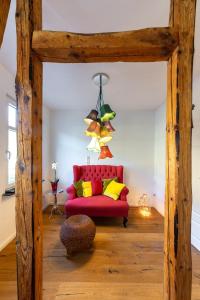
<point x="92" y="172"/>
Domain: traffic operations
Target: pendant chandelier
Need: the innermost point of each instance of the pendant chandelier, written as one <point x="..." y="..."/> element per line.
<point x="98" y="121"/>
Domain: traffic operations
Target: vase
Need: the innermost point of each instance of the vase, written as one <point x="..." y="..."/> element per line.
<point x="54" y="186"/>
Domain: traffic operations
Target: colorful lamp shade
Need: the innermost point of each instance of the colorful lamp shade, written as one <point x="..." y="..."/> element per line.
<point x="109" y="126"/>
<point x="100" y="128"/>
<point x="91" y="117"/>
<point x="106" y="113"/>
<point x="105" y="153"/>
<point x="93" y="129"/>
<point x="94" y="145"/>
<point x="104" y="132"/>
<point x="105" y="135"/>
<point x="101" y="144"/>
<point x="105" y="139"/>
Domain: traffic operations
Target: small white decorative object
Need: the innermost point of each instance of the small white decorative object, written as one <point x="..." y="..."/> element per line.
<point x="54" y="168"/>
<point x="54" y="165"/>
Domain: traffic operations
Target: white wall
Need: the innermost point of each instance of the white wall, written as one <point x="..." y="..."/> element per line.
<point x="132" y="146"/>
<point x="196" y="138"/>
<point x="160" y="162"/>
<point x="196" y="166"/>
<point x="7" y="205"/>
<point x="46" y="156"/>
<point x="159" y="158"/>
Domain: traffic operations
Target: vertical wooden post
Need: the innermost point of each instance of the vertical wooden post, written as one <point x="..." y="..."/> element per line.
<point x="29" y="164"/>
<point x="178" y="265"/>
<point x="4" y="10"/>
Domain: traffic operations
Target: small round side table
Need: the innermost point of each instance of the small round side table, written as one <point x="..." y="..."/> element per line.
<point x="77" y="233"/>
<point x="55" y="208"/>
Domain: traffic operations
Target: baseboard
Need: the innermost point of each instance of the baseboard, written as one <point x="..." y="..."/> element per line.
<point x="7" y="241"/>
<point x="195" y="242"/>
<point x="45" y="206"/>
<point x="12" y="236"/>
<point x="195" y="237"/>
<point x="159" y="206"/>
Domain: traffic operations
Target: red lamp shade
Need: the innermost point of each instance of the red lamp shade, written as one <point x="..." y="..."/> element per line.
<point x="105" y="153"/>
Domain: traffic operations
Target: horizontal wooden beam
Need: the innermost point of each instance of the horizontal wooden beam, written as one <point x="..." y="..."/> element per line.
<point x="4" y="10"/>
<point x="145" y="45"/>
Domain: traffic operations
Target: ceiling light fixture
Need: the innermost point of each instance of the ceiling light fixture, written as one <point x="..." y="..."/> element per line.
<point x="100" y="128"/>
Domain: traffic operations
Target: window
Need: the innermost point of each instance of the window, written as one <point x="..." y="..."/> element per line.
<point x="12" y="143"/>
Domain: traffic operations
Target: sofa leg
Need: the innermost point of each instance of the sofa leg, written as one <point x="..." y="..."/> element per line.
<point x="125" y="221"/>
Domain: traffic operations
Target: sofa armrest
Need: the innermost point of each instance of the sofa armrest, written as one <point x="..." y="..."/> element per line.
<point x="71" y="192"/>
<point x="124" y="193"/>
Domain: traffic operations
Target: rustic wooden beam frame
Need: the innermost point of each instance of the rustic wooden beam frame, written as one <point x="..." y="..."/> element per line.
<point x="35" y="46"/>
<point x="29" y="164"/>
<point x="144" y="45"/>
<point x="178" y="262"/>
<point x="4" y="10"/>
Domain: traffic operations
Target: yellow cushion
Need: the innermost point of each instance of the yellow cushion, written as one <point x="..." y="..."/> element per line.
<point x="114" y="189"/>
<point x="87" y="189"/>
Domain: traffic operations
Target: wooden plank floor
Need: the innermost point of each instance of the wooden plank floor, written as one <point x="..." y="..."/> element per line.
<point x="124" y="263"/>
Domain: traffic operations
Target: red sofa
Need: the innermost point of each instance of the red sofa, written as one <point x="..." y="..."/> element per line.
<point x="100" y="205"/>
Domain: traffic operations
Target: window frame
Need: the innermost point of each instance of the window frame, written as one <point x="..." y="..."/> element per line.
<point x="10" y="102"/>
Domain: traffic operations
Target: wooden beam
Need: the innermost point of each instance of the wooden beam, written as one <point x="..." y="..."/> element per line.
<point x="4" y="10"/>
<point x="29" y="164"/>
<point x="151" y="44"/>
<point x="178" y="266"/>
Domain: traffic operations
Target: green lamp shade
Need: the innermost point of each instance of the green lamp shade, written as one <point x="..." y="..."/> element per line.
<point x="106" y="113"/>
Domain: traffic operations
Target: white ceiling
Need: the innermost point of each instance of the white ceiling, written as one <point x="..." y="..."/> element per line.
<point x="132" y="86"/>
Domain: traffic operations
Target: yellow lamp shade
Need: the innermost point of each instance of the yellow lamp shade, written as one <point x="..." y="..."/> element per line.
<point x="93" y="129"/>
<point x="94" y="145"/>
<point x="105" y="135"/>
<point x="104" y="132"/>
<point x="105" y="139"/>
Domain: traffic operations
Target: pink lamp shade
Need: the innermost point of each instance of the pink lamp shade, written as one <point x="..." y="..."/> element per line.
<point x="105" y="153"/>
<point x="109" y="126"/>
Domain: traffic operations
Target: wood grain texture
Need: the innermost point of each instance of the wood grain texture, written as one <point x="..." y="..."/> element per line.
<point x="151" y="44"/>
<point x="29" y="164"/>
<point x="178" y="266"/>
<point x="125" y="264"/>
<point x="4" y="10"/>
